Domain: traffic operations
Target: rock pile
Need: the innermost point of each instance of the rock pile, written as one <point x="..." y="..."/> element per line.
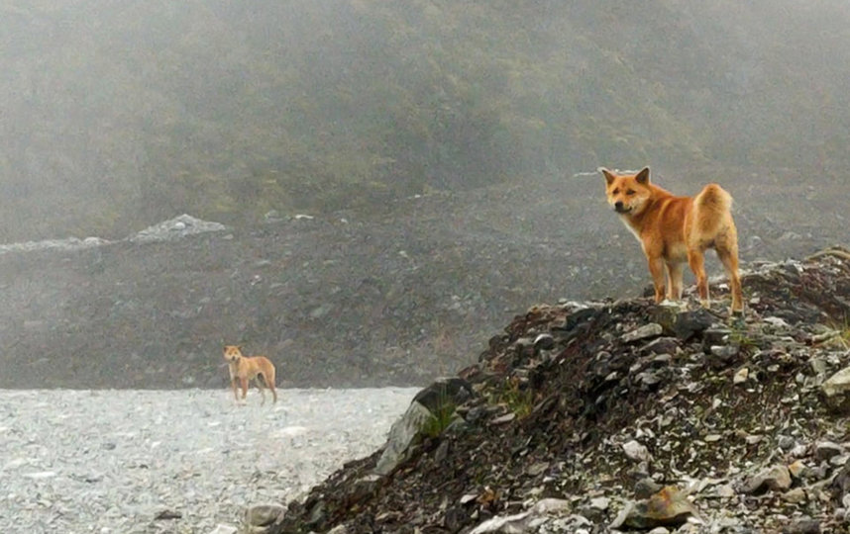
<point x="625" y="415"/>
<point x="177" y="228"/>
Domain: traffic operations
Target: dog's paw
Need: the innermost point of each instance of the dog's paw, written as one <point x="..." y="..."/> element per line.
<point x="737" y="318"/>
<point x="675" y="304"/>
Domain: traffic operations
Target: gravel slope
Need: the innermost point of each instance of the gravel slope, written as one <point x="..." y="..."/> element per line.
<point x="111" y="461"/>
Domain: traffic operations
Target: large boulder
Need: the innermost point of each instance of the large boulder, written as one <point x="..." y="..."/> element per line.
<point x="434" y="404"/>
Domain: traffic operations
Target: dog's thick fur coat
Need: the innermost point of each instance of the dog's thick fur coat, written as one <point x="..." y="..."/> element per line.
<point x="673" y="230"/>
<point x="242" y="369"/>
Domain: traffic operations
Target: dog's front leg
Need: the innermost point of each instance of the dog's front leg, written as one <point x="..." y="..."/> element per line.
<point x="656" y="269"/>
<point x="234" y="387"/>
<point x="674" y="280"/>
<point x="244" y="382"/>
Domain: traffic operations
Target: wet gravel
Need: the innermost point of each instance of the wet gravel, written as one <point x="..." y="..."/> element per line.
<point x="174" y="461"/>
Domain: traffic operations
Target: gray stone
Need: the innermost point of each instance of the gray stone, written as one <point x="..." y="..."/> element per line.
<point x="839" y="460"/>
<point x="776" y="322"/>
<point x="600" y="503"/>
<point x="786" y="443"/>
<point x="776" y="478"/>
<point x="502" y="419"/>
<point x="524" y="521"/>
<point x="819" y="366"/>
<point x="804" y="525"/>
<point x="795" y="496"/>
<point x="406" y="432"/>
<point x="662" y="345"/>
<point x="838" y="383"/>
<point x="646" y="487"/>
<point x="544" y="342"/>
<point x="662" y="359"/>
<point x="262" y="515"/>
<point x="364" y="488"/>
<point x="836" y="389"/>
<point x="646" y="331"/>
<point x="724" y="491"/>
<point x="649" y="378"/>
<point x="403" y="434"/>
<point x="636" y="451"/>
<point x="668" y="507"/>
<point x="724" y="353"/>
<point x="825" y="450"/>
<point x="443" y="390"/>
<point x="716" y="335"/>
<point x="693" y="323"/>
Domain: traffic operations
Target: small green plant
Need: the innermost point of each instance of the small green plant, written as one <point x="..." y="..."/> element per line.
<point x="842" y="337"/>
<point x="519" y="400"/>
<point x="741" y="337"/>
<point x="440" y="417"/>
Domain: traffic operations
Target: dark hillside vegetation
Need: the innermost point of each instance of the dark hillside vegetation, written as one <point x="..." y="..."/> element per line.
<point x="119" y="115"/>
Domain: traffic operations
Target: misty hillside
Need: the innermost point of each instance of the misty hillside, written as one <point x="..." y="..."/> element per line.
<point x="346" y="300"/>
<point x="117" y="115"/>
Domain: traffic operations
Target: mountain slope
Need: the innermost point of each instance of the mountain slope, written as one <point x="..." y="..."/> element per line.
<point x="398" y="297"/>
<point x="116" y="116"/>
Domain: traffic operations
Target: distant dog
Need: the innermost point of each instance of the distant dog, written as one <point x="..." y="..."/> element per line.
<point x="243" y="369"/>
<point x="673" y="230"/>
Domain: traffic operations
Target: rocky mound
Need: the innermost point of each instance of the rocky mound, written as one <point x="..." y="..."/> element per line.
<point x="624" y="415"/>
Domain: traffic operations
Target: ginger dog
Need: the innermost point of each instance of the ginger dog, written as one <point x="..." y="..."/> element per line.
<point x="242" y="368"/>
<point x="673" y="230"/>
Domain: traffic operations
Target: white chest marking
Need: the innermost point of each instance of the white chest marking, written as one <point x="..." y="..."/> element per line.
<point x="632" y="230"/>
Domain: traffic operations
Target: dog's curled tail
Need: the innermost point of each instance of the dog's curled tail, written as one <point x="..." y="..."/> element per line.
<point x="713" y="206"/>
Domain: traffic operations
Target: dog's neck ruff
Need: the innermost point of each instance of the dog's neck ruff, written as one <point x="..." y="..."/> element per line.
<point x="625" y="218"/>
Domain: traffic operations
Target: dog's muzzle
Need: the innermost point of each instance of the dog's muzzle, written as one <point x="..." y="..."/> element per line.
<point x="619" y="207"/>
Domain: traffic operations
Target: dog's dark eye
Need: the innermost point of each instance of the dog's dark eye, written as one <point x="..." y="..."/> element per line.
<point x="630" y="192"/>
<point x="615" y="192"/>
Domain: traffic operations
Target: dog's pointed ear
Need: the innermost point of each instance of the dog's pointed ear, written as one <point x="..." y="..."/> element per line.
<point x="643" y="176"/>
<point x="609" y="176"/>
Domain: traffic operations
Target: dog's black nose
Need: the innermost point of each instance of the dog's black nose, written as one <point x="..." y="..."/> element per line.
<point x="618" y="205"/>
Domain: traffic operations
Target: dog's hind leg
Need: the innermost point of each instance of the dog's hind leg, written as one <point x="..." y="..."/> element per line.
<point x="727" y="251"/>
<point x="260" y="380"/>
<point x="696" y="259"/>
<point x="270" y="382"/>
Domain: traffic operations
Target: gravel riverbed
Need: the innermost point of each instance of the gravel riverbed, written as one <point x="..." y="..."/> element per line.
<point x="113" y="461"/>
